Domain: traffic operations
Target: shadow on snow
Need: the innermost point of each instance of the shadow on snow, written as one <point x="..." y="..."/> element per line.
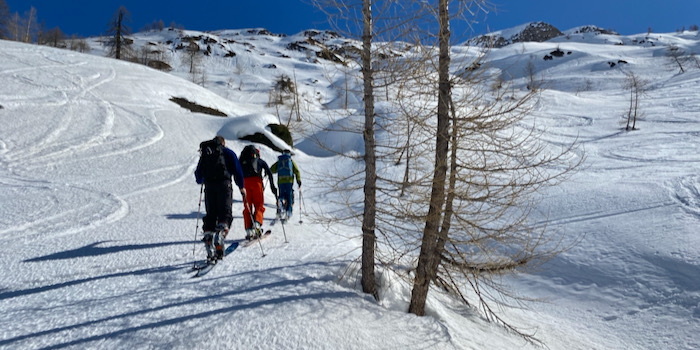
<point x="93" y="250"/>
<point x="205" y="300"/>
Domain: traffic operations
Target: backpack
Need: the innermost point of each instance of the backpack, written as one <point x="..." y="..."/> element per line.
<point x="212" y="162"/>
<point x="284" y="165"/>
<point x="249" y="161"/>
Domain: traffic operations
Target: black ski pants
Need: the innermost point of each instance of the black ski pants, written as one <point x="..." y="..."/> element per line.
<point x="218" y="200"/>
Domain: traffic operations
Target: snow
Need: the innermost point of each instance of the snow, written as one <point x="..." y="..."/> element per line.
<point x="100" y="210"/>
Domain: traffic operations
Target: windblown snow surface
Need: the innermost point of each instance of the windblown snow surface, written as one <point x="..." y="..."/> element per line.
<point x="99" y="212"/>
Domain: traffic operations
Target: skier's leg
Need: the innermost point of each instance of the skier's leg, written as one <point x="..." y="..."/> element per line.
<point x="259" y="208"/>
<point x="249" y="188"/>
<point x="284" y="189"/>
<point x="209" y="220"/>
<point x="258" y="199"/>
<point x="290" y="202"/>
<point x="228" y="208"/>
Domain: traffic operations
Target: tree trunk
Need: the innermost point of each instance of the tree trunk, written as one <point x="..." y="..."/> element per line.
<point x="369" y="217"/>
<point x="631" y="110"/>
<point x="118" y="37"/>
<point x="430" y="252"/>
<point x="636" y="109"/>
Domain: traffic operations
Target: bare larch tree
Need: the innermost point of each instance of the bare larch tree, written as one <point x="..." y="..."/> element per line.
<point x="458" y="218"/>
<point x="637" y="87"/>
<point x="117" y="30"/>
<point x="5" y="20"/>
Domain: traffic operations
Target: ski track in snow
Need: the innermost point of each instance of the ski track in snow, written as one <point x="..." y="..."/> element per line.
<point x="686" y="191"/>
<point x="66" y="143"/>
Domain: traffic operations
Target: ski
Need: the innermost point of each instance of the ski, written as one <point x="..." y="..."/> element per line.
<point x="204" y="268"/>
<point x="254" y="240"/>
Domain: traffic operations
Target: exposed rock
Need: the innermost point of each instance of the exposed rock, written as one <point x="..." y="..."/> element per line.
<point x="593" y="29"/>
<point x="537" y="32"/>
<point x="280" y="131"/>
<point x="197" y="108"/>
<point x="534" y="32"/>
<point x="160" y="65"/>
<point x="557" y="53"/>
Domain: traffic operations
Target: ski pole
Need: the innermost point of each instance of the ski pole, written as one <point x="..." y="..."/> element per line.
<point x="252" y="220"/>
<point x="194" y="243"/>
<point x="301" y="201"/>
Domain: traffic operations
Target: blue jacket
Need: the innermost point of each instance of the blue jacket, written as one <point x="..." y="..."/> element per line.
<point x="232" y="165"/>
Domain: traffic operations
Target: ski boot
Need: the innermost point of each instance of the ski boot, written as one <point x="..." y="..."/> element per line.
<point x="207" y="239"/>
<point x="249" y="234"/>
<point x="219" y="236"/>
<point x="258" y="229"/>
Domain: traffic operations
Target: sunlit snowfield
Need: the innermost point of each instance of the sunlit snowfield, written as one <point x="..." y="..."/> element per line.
<point x="99" y="209"/>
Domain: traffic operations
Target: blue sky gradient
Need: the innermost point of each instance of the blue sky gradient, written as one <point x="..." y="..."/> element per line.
<point x="90" y="17"/>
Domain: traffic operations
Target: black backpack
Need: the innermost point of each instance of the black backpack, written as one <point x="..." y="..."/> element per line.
<point x="212" y="162"/>
<point x="249" y="161"/>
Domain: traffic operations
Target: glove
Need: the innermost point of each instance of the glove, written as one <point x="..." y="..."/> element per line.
<point x="243" y="193"/>
<point x="299" y="184"/>
<point x="274" y="191"/>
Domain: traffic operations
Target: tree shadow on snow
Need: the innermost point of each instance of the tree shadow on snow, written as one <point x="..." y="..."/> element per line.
<point x="192" y="215"/>
<point x="24" y="292"/>
<point x="283" y="284"/>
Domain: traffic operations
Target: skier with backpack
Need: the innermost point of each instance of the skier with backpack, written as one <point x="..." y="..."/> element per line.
<point x="286" y="170"/>
<point x="254" y="208"/>
<point x="217" y="164"/>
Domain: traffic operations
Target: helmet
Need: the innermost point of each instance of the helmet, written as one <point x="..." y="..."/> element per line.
<point x="286" y="151"/>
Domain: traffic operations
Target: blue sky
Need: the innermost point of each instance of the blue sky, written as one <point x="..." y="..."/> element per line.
<point x="90" y="17"/>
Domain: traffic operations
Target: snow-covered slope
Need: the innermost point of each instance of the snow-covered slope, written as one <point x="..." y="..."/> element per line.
<point x="100" y="209"/>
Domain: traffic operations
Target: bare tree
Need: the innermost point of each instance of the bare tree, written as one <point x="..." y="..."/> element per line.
<point x="145" y="54"/>
<point x="370" y="187"/>
<point x="117" y="30"/>
<point x="340" y="14"/>
<point x="155" y="25"/>
<point x="637" y="88"/>
<point x="378" y="69"/>
<point x="30" y="26"/>
<point x="534" y="82"/>
<point x="694" y="59"/>
<point x="487" y="170"/>
<point x="53" y="37"/>
<point x="297" y="102"/>
<point x="677" y="55"/>
<point x="281" y="91"/>
<point x="14" y="27"/>
<point x="5" y="20"/>
<point x="78" y="44"/>
<point x="192" y="57"/>
<point x="475" y="168"/>
<point x="434" y="239"/>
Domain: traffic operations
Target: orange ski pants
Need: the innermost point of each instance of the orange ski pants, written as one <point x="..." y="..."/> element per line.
<point x="255" y="200"/>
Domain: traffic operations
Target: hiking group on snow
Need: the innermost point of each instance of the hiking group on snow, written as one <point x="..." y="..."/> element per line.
<point x="219" y="168"/>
